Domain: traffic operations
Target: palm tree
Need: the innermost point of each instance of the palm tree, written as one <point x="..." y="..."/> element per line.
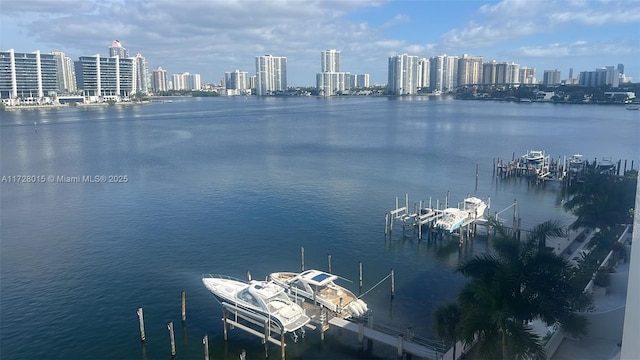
<point x="602" y="200"/>
<point x="447" y="318"/>
<point x="517" y="283"/>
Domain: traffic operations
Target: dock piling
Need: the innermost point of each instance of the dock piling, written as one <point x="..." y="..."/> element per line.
<point x="302" y="257"/>
<point x="172" y="338"/>
<point x="183" y="307"/>
<point x="248" y="275"/>
<point x="360" y="276"/>
<point x="205" y="342"/>
<point x="393" y="284"/>
<point x="329" y="262"/>
<point x="141" y="321"/>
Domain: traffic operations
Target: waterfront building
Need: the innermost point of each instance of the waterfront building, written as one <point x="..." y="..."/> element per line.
<point x="186" y="81"/>
<point x="66" y="73"/>
<point x="551" y="77"/>
<point x="443" y="73"/>
<point x="423" y="73"/>
<point x="604" y="76"/>
<point x="159" y="80"/>
<point x="403" y="75"/>
<point x="141" y="74"/>
<point x="271" y="75"/>
<point x="116" y="49"/>
<point x="489" y="72"/>
<point x="359" y="81"/>
<point x="333" y="83"/>
<point x="106" y="78"/>
<point x="527" y="75"/>
<point x="330" y="60"/>
<point x="469" y="70"/>
<point x="237" y="80"/>
<point x="27" y="78"/>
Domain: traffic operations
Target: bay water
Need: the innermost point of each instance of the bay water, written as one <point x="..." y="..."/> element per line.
<point x="230" y="185"/>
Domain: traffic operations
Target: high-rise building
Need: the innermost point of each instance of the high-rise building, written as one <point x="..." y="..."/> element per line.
<point x="444" y="72"/>
<point x="604" y="76"/>
<point x="527" y="75"/>
<point x="186" y="81"/>
<point x="116" y="49"/>
<point x="330" y="61"/>
<point x="403" y="74"/>
<point x="66" y="73"/>
<point x="271" y="75"/>
<point x="330" y="80"/>
<point x="333" y="83"/>
<point x="359" y="81"/>
<point x="237" y="80"/>
<point x="621" y="68"/>
<point x="105" y="78"/>
<point x="141" y="74"/>
<point x="469" y="70"/>
<point x="423" y="73"/>
<point x="489" y="72"/>
<point x="159" y="80"/>
<point x="27" y="77"/>
<point x="551" y="77"/>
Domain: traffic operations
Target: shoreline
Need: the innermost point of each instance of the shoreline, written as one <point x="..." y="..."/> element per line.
<point x="57" y="106"/>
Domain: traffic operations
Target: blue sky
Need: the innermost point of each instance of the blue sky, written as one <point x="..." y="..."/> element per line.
<point x="211" y="37"/>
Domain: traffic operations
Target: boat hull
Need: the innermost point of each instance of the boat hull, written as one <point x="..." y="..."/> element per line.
<point x="285" y="315"/>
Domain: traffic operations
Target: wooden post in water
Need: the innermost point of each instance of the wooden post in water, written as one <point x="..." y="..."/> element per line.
<point x="361" y="336"/>
<point x="400" y="346"/>
<point x="370" y="326"/>
<point x="360" y="276"/>
<point x="393" y="284"/>
<point x="282" y="353"/>
<point x="141" y="321"/>
<point x="266" y="338"/>
<point x="248" y="275"/>
<point x="184" y="306"/>
<point x="205" y="342"/>
<point x="329" y="262"/>
<point x="386" y="223"/>
<point x="172" y="338"/>
<point x="224" y="323"/>
<point x="302" y="257"/>
<point x="446" y="200"/>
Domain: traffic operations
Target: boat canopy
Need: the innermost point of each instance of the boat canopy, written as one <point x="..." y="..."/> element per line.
<point x="317" y="278"/>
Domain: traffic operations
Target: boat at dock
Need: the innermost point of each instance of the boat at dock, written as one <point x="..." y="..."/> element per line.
<point x="534" y="156"/>
<point x="319" y="287"/>
<point x="264" y="300"/>
<point x="453" y="218"/>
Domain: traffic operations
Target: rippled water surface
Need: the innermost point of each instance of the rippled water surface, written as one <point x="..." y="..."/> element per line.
<point x="230" y="185"/>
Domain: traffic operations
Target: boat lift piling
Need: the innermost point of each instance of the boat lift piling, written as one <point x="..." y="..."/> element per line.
<point x="141" y="321"/>
<point x="205" y="343"/>
<point x="183" y="307"/>
<point x="172" y="337"/>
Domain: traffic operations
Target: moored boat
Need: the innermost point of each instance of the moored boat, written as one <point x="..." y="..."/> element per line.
<point x="452" y="218"/>
<point x="265" y="300"/>
<point x="534" y="156"/>
<point x="319" y="287"/>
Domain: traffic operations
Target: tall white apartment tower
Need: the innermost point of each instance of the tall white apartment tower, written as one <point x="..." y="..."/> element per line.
<point x="66" y="73"/>
<point x="423" y="74"/>
<point x="469" y="70"/>
<point x="271" y="74"/>
<point x="330" y="61"/>
<point x="403" y="74"/>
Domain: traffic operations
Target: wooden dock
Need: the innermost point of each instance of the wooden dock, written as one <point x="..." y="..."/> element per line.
<point x="403" y="342"/>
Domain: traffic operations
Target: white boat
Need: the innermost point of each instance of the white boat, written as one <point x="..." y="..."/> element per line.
<point x="316" y="286"/>
<point x="452" y="218"/>
<point x="534" y="156"/>
<point x="576" y="162"/>
<point x="265" y="300"/>
<point x="606" y="164"/>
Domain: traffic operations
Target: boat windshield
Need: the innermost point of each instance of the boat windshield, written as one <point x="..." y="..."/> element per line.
<point x="246" y="296"/>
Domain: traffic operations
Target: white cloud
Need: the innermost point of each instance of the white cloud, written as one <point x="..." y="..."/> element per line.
<point x="576" y="48"/>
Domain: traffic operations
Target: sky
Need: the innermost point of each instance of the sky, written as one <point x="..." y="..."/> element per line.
<point x="211" y="37"/>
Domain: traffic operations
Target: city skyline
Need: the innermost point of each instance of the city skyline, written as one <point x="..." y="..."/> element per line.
<point x="211" y="38"/>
